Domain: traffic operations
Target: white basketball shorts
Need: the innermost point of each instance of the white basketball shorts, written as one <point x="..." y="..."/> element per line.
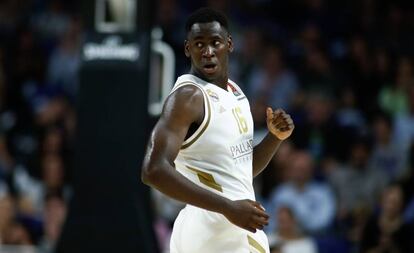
<point x="200" y="231"/>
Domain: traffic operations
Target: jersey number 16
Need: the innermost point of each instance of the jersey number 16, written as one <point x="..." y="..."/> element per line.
<point x="241" y="121"/>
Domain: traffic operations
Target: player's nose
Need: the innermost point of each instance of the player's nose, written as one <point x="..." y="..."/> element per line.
<point x="208" y="51"/>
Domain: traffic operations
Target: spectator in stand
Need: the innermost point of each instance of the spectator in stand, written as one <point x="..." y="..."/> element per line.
<point x="393" y="98"/>
<point x="309" y="38"/>
<point x="404" y="124"/>
<point x="273" y="83"/>
<point x="382" y="67"/>
<point x="52" y="22"/>
<point x="53" y="142"/>
<point x="53" y="171"/>
<point x="313" y="203"/>
<point x="350" y="121"/>
<point x="318" y="131"/>
<point x="408" y="189"/>
<point x="65" y="60"/>
<point x="247" y="57"/>
<point x="387" y="155"/>
<point x="356" y="185"/>
<point x="387" y="231"/>
<point x="17" y="234"/>
<point x="359" y="72"/>
<point x="276" y="174"/>
<point x="289" y="237"/>
<point x="6" y="159"/>
<point x="318" y="75"/>
<point x="34" y="190"/>
<point x="2" y="81"/>
<point x="53" y="218"/>
<point x="348" y="115"/>
<point x="7" y="214"/>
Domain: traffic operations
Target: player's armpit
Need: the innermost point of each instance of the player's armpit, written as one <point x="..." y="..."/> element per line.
<point x="182" y="108"/>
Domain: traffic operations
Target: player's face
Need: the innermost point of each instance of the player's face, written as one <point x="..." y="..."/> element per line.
<point x="208" y="46"/>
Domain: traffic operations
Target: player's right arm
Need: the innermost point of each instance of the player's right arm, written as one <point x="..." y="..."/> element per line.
<point x="182" y="108"/>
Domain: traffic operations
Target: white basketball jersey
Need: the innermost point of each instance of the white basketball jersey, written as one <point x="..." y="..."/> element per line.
<point x="218" y="156"/>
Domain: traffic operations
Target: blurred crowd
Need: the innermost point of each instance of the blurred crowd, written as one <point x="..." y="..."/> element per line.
<point x="342" y="69"/>
<point x="39" y="60"/>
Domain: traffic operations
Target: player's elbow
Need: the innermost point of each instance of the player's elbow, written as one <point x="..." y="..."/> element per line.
<point x="150" y="174"/>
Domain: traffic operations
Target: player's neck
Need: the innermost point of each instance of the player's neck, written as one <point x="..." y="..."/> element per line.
<point x="219" y="81"/>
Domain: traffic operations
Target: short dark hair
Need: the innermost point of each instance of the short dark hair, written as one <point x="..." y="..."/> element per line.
<point x="206" y="15"/>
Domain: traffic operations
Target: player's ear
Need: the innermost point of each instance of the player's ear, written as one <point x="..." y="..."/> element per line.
<point x="187" y="48"/>
<point x="230" y="43"/>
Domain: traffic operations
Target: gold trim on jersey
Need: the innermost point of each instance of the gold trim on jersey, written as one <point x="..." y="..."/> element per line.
<point x="204" y="127"/>
<point x="255" y="244"/>
<point x="206" y="179"/>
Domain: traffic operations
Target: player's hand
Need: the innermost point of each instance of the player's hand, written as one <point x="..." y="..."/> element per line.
<point x="247" y="214"/>
<point x="279" y="123"/>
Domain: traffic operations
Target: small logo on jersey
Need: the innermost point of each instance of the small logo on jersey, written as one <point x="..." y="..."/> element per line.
<point x="242" y="152"/>
<point x="232" y="89"/>
<point x="213" y="95"/>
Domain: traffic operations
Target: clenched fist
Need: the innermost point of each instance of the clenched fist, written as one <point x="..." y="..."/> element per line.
<point x="279" y="123"/>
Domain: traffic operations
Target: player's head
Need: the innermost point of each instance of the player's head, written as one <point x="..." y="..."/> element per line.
<point x="208" y="44"/>
<point x="206" y="15"/>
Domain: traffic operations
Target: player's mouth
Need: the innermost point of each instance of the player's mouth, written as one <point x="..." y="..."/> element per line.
<point x="210" y="68"/>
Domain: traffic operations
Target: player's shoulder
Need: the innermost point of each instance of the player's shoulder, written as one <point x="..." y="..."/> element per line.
<point x="189" y="79"/>
<point x="188" y="86"/>
<point x="185" y="101"/>
<point x="188" y="93"/>
<point x="190" y="89"/>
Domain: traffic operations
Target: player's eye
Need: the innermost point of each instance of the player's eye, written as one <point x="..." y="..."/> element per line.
<point x="216" y="43"/>
<point x="199" y="44"/>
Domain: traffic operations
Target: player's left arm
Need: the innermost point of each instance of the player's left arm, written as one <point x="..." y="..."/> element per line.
<point x="280" y="126"/>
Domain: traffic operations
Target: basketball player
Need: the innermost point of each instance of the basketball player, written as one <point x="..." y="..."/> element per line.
<point x="200" y="151"/>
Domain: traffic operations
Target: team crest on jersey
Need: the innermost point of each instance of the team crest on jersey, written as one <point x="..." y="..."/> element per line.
<point x="231" y="88"/>
<point x="213" y="95"/>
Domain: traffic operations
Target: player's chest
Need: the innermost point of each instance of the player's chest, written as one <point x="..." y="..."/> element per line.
<point x="230" y="114"/>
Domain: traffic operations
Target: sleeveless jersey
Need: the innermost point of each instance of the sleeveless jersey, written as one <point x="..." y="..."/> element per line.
<point x="218" y="155"/>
